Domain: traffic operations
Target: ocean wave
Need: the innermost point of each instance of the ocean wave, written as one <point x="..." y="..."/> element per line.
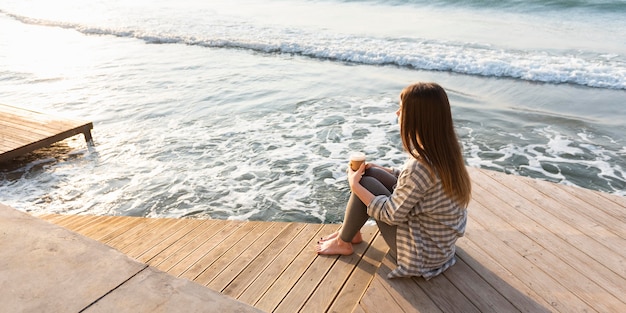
<point x="583" y="68"/>
<point x="608" y="6"/>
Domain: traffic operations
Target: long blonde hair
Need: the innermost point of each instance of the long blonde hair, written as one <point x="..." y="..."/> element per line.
<point x="427" y="133"/>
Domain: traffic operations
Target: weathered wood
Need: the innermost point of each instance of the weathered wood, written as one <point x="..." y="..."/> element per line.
<point x="108" y="227"/>
<point x="359" y="309"/>
<point x="506" y="244"/>
<point x="403" y="293"/>
<point x="530" y="246"/>
<point x="363" y="274"/>
<point x="76" y="221"/>
<point x="62" y="220"/>
<point x="180" y="232"/>
<point x="443" y="292"/>
<point x="283" y="285"/>
<point x="226" y="268"/>
<point x="209" y="254"/>
<point x="184" y="246"/>
<point x="95" y="220"/>
<point x="134" y="233"/>
<point x="279" y="265"/>
<point x="478" y="291"/>
<point x="188" y="256"/>
<point x="333" y="281"/>
<point x="570" y="246"/>
<point x="23" y="131"/>
<point x="378" y="299"/>
<point x="153" y="238"/>
<point x="522" y="296"/>
<point x="248" y="273"/>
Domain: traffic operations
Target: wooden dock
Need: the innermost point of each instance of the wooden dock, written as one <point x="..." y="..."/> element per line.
<point x="530" y="246"/>
<point x="23" y="131"/>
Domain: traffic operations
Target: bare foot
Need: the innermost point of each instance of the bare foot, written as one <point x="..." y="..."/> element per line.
<point x="333" y="247"/>
<point x="358" y="238"/>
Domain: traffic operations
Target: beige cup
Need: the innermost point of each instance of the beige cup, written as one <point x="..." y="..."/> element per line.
<point x="356" y="159"/>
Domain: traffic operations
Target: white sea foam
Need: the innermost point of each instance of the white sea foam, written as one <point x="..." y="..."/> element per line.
<point x="184" y="130"/>
<point x="571" y="66"/>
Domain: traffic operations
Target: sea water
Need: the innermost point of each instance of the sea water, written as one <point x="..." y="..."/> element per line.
<point x="249" y="109"/>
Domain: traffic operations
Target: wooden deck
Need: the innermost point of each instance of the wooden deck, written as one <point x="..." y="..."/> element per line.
<point x="530" y="246"/>
<point x="23" y="131"/>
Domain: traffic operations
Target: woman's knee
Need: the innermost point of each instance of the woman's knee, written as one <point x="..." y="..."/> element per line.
<point x="387" y="179"/>
<point x="376" y="172"/>
<point x="374" y="186"/>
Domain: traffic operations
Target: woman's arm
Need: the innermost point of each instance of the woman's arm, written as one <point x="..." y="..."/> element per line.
<point x="354" y="178"/>
<point x="412" y="185"/>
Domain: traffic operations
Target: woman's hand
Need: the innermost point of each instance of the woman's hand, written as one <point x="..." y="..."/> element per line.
<point x="355" y="176"/>
<point x="370" y="165"/>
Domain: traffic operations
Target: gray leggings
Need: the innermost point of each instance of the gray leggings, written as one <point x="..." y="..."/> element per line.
<point x="378" y="182"/>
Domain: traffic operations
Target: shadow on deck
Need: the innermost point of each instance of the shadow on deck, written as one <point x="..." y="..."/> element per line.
<point x="530" y="246"/>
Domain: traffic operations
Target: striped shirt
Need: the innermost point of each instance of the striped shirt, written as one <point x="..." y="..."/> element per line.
<point x="428" y="222"/>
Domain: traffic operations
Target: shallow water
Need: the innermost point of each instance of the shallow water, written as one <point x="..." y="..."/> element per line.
<point x="248" y="131"/>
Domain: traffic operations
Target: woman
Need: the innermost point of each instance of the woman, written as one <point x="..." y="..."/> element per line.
<point x="421" y="210"/>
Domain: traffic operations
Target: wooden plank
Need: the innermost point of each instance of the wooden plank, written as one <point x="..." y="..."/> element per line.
<point x="214" y="261"/>
<point x="158" y="233"/>
<point x="581" y="197"/>
<point x="275" y="293"/>
<point x="580" y="285"/>
<point x="167" y="258"/>
<point x="105" y="221"/>
<point x="620" y="200"/>
<point x="132" y="234"/>
<point x="590" y="259"/>
<point x="34" y="145"/>
<point x="92" y="220"/>
<point x="378" y="299"/>
<point x="359" y="309"/>
<point x="593" y="233"/>
<point x="523" y="297"/>
<point x="560" y="201"/>
<point x="186" y="257"/>
<point x="445" y="294"/>
<point x="259" y="264"/>
<point x="478" y="291"/>
<point x="362" y="276"/>
<point x="34" y="118"/>
<point x="601" y="202"/>
<point x="45" y="216"/>
<point x="238" y="257"/>
<point x="506" y="244"/>
<point x="77" y="221"/>
<point x="403" y="292"/>
<point x="126" y="225"/>
<point x="178" y="234"/>
<point x="279" y="265"/>
<point x="21" y="126"/>
<point x="201" y="259"/>
<point x="110" y="227"/>
<point x="322" y="280"/>
<point x="323" y="297"/>
<point x="23" y="131"/>
<point x="517" y="256"/>
<point x="63" y="220"/>
<point x="588" y="215"/>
